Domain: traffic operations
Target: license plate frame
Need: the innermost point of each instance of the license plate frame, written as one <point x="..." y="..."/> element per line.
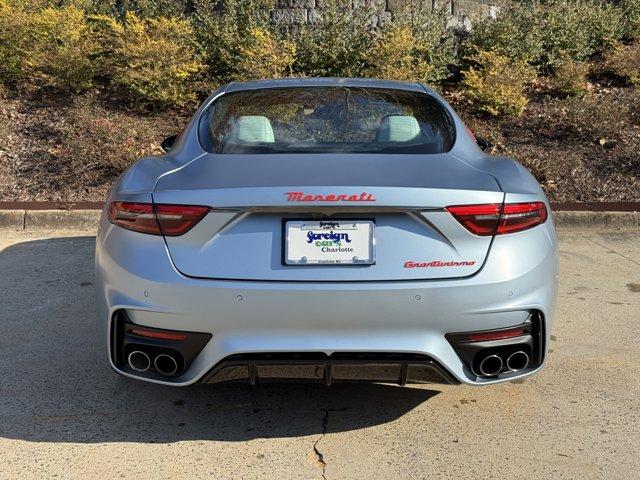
<point x="330" y="226"/>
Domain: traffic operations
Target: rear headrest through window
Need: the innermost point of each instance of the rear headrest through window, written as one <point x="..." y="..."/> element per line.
<point x="251" y="128"/>
<point x="398" y="128"/>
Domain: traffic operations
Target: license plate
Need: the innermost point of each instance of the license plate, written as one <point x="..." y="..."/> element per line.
<point x="344" y="242"/>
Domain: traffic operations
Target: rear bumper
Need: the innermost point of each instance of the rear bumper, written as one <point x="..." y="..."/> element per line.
<point x="134" y="273"/>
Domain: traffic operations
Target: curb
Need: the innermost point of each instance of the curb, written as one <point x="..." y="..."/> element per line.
<point x="31" y="220"/>
<point x="586" y="220"/>
<point x="87" y="220"/>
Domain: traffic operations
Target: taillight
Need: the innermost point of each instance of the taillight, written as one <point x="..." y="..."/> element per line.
<point x="176" y="220"/>
<point x="520" y="216"/>
<point x="138" y="217"/>
<point x="159" y="219"/>
<point x="498" y="219"/>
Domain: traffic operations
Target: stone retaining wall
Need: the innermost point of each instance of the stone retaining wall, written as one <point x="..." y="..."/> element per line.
<point x="462" y="11"/>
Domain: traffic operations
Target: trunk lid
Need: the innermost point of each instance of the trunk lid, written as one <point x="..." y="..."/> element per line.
<point x="252" y="197"/>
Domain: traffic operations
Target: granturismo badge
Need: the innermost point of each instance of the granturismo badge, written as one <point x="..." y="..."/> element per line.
<point x="331" y="197"/>
<point x="438" y="263"/>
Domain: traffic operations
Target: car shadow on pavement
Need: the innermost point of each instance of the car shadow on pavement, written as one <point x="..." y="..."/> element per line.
<point x="57" y="386"/>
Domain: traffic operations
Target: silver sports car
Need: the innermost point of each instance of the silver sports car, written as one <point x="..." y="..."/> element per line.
<point x="328" y="230"/>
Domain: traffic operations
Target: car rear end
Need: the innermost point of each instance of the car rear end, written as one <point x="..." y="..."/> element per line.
<point x="252" y="263"/>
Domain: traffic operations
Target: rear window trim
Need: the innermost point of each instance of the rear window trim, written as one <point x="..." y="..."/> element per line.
<point x="204" y="135"/>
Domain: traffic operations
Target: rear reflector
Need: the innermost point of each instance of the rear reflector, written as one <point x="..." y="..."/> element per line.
<point x="143" y="332"/>
<point x="158" y="219"/>
<point x="495" y="218"/>
<point x="496" y="335"/>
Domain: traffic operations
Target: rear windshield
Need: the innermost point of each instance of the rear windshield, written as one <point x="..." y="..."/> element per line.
<point x="326" y="120"/>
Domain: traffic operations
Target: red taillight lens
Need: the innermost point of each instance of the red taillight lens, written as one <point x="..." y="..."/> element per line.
<point x="498" y="219"/>
<point x="170" y="220"/>
<point x="478" y="219"/>
<point x="138" y="217"/>
<point x="520" y="216"/>
<point x="176" y="220"/>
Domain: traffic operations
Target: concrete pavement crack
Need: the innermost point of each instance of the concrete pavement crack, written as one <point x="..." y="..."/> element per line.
<point x="608" y="249"/>
<point x="319" y="455"/>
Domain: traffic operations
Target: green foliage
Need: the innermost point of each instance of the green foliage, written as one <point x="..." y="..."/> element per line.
<point x="14" y="38"/>
<point x="416" y="45"/>
<point x="61" y="48"/>
<point x="497" y="85"/>
<point x="335" y="43"/>
<point x="161" y="50"/>
<point x="263" y="56"/>
<point x="156" y="60"/>
<point x="631" y="19"/>
<point x="397" y="54"/>
<point x="546" y="33"/>
<point x="223" y="28"/>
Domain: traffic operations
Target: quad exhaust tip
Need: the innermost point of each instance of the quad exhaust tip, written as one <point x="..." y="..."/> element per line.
<point x="517" y="361"/>
<point x="165" y="364"/>
<point x="491" y="365"/>
<point x="139" y="361"/>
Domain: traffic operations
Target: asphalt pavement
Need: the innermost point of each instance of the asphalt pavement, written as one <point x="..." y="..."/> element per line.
<point x="65" y="414"/>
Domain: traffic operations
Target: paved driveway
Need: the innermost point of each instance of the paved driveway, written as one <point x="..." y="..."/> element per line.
<point x="64" y="413"/>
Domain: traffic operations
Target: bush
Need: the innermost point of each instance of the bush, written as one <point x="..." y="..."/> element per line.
<point x="547" y="33"/>
<point x="14" y="35"/>
<point x="570" y="78"/>
<point x="416" y="45"/>
<point x="496" y="84"/>
<point x="336" y="43"/>
<point x="157" y="60"/>
<point x="223" y="27"/>
<point x="262" y="56"/>
<point x="55" y="46"/>
<point x="62" y="48"/>
<point x="396" y="55"/>
<point x="631" y="19"/>
<point x="625" y="62"/>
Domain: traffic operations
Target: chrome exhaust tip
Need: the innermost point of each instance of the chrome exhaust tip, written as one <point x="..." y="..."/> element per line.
<point x="139" y="361"/>
<point x="490" y="365"/>
<point x="165" y="364"/>
<point x="517" y="361"/>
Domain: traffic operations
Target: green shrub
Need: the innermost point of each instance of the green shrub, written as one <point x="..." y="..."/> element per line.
<point x="223" y="27"/>
<point x="570" y="78"/>
<point x="156" y="60"/>
<point x="416" y="45"/>
<point x="546" y="33"/>
<point x="263" y="56"/>
<point x="631" y="19"/>
<point x="396" y="55"/>
<point x="154" y="8"/>
<point x="14" y="37"/>
<point x="497" y="85"/>
<point x="625" y="62"/>
<point x="61" y="48"/>
<point x="55" y="46"/>
<point x="335" y="43"/>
